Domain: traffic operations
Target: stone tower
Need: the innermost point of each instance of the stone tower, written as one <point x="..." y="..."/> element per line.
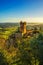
<point x="23" y="27"/>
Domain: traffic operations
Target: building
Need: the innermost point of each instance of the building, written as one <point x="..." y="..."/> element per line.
<point x="23" y="27"/>
<point x="26" y="32"/>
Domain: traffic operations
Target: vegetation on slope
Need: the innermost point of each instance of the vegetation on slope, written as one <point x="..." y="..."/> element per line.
<point x="23" y="51"/>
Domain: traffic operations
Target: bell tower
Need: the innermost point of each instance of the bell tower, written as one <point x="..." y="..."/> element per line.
<point x="23" y="27"/>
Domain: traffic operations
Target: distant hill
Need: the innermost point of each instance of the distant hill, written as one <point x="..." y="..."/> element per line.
<point x="3" y="25"/>
<point x="32" y="25"/>
<point x="29" y="25"/>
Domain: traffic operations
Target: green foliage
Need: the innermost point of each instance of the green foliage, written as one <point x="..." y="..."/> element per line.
<point x="3" y="60"/>
<point x="24" y="51"/>
<point x="36" y="44"/>
<point x="23" y="55"/>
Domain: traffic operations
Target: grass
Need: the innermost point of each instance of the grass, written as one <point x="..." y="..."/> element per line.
<point x="6" y="32"/>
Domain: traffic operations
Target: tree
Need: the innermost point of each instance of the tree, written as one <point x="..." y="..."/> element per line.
<point x="36" y="44"/>
<point x="3" y="60"/>
<point x="23" y="56"/>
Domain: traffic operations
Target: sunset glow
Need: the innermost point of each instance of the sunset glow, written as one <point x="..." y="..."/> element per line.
<point x="25" y="10"/>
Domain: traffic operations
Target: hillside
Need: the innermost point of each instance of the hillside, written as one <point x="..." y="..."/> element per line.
<point x="20" y="50"/>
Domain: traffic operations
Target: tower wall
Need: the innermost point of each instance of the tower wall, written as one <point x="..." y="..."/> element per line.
<point x="23" y="27"/>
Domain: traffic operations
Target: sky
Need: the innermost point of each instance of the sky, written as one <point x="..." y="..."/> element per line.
<point x="25" y="10"/>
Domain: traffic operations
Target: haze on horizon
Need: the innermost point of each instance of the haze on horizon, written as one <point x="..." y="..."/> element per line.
<point x="25" y="10"/>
